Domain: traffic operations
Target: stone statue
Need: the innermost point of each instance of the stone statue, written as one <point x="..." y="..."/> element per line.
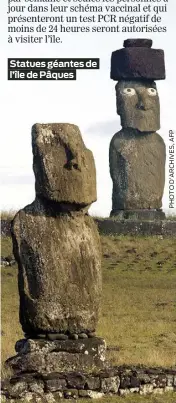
<point x="137" y="152"/>
<point x="55" y="242"/>
<point x="57" y="247"/>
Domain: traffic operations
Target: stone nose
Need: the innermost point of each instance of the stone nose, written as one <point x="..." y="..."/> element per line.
<point x="73" y="163"/>
<point x="141" y="104"/>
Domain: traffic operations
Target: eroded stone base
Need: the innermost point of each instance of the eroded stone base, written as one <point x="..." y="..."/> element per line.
<point x="121" y="381"/>
<point x="111" y="226"/>
<point x="142" y="214"/>
<point x="45" y="356"/>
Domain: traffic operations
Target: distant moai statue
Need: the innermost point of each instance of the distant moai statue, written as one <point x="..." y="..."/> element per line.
<point x="57" y="247"/>
<point x="137" y="153"/>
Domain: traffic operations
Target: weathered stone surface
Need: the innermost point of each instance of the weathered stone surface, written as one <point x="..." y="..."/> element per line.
<point x="36" y="386"/>
<point x="76" y="380"/>
<point x="21" y="345"/>
<point x="109" y="372"/>
<point x="146" y="389"/>
<point x="124" y="392"/>
<point x="58" y="395"/>
<point x="138" y="105"/>
<point x="137" y="61"/>
<point x="18" y="386"/>
<point x="138" y="43"/>
<point x="57" y="336"/>
<point x="83" y="336"/>
<point x="92" y="382"/>
<point x="53" y="385"/>
<point x="59" y="280"/>
<point x="4" y="262"/>
<point x="130" y="227"/>
<point x="143" y="378"/>
<point x="134" y="382"/>
<point x="70" y="393"/>
<point x="110" y="384"/>
<point x="137" y="168"/>
<point x="64" y="168"/>
<point x="164" y="227"/>
<point x="16" y="390"/>
<point x="137" y="153"/>
<point x="159" y="381"/>
<point x="45" y="357"/>
<point x="92" y="334"/>
<point x="60" y="361"/>
<point x="170" y="380"/>
<point x="125" y="381"/>
<point x="174" y="381"/>
<point x="134" y="390"/>
<point x="7" y="261"/>
<point x="32" y="398"/>
<point x="94" y="346"/>
<point x="142" y="215"/>
<point x="90" y="393"/>
<point x="73" y="336"/>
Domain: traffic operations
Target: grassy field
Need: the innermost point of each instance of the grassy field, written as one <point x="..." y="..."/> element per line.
<point x="138" y="318"/>
<point x="167" y="398"/>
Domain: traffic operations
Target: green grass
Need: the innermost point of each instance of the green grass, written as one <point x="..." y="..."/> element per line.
<point x="139" y="299"/>
<point x="6" y="246"/>
<point x="166" y="398"/>
<point x="138" y="316"/>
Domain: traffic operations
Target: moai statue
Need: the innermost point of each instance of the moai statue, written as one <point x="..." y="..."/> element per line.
<point x="137" y="153"/>
<point x="57" y="247"/>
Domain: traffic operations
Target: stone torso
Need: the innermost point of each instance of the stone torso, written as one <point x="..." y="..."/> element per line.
<point x="59" y="270"/>
<point x="137" y="168"/>
<point x="55" y="242"/>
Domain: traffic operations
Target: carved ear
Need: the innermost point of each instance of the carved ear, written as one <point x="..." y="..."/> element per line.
<point x="117" y="99"/>
<point x="118" y="109"/>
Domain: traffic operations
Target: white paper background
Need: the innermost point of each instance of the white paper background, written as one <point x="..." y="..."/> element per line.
<point x="88" y="102"/>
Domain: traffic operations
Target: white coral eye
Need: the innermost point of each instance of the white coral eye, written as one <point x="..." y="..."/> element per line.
<point x="128" y="91"/>
<point x="151" y="91"/>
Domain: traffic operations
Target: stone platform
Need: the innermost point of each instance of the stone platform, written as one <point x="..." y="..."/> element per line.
<point x="112" y="226"/>
<point x="44" y="356"/>
<point x="122" y="381"/>
<point x="141" y="214"/>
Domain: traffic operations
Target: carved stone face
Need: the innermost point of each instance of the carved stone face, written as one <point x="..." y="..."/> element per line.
<point x="138" y="105"/>
<point x="64" y="168"/>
